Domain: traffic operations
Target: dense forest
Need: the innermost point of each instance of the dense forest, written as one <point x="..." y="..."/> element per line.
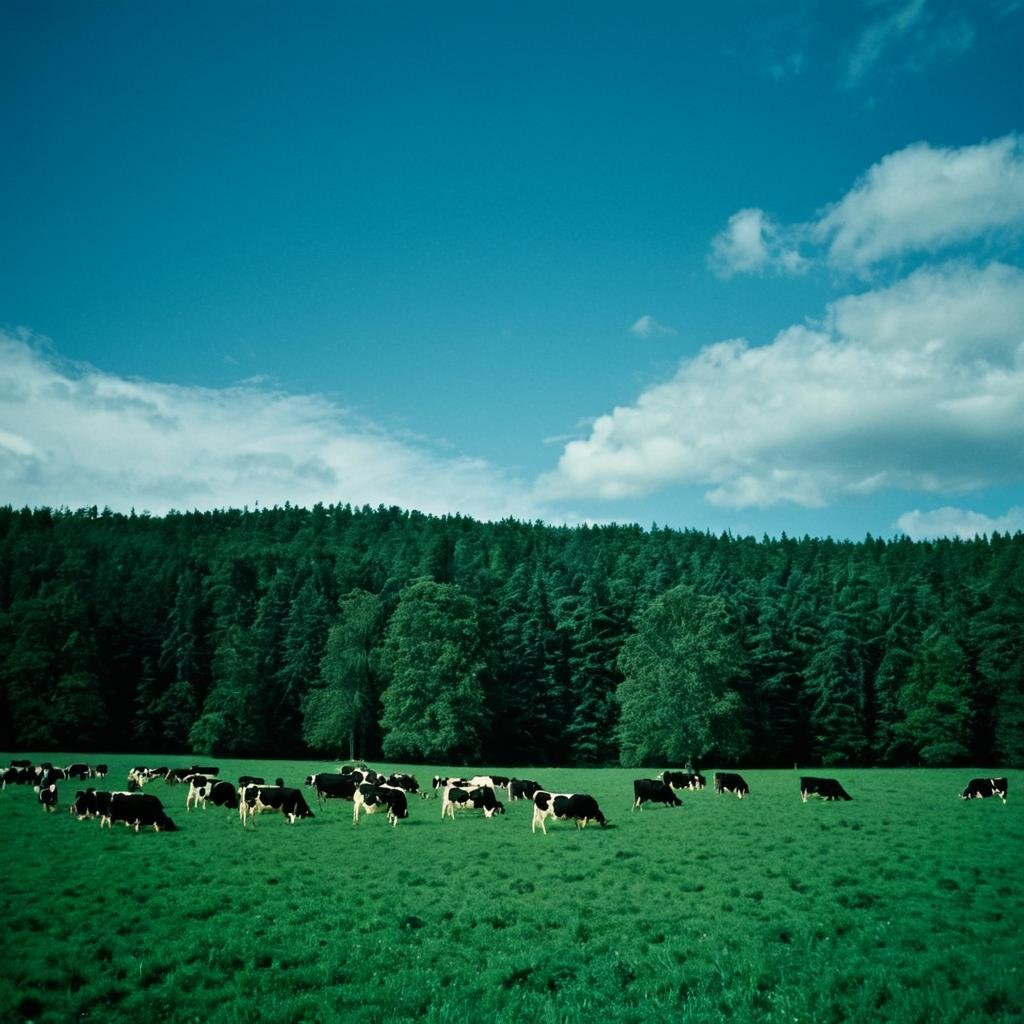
<point x="360" y="632"/>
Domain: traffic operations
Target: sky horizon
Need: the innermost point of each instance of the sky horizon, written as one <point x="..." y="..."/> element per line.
<point x="734" y="267"/>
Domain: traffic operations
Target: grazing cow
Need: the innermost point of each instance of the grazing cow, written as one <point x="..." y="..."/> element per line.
<point x="47" y="774"/>
<point x="48" y="796"/>
<point x="138" y="809"/>
<point x="522" y="789"/>
<point x="371" y="798"/>
<point x="99" y="771"/>
<point x="577" y="807"/>
<point x="361" y="775"/>
<point x="254" y="800"/>
<point x="480" y="798"/>
<point x="653" y="791"/>
<point x="78" y="771"/>
<point x="729" y="782"/>
<point x="442" y="782"/>
<point x="979" y="789"/>
<point x="20" y="763"/>
<point x="203" y="770"/>
<point x="84" y="805"/>
<point x="17" y="776"/>
<point x="331" y="786"/>
<point x="827" y="789"/>
<point x="176" y="775"/>
<point x="201" y="789"/>
<point x="683" y="780"/>
<point x="248" y="780"/>
<point x="406" y="782"/>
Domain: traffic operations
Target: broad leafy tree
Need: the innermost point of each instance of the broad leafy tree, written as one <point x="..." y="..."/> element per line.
<point x="676" y="696"/>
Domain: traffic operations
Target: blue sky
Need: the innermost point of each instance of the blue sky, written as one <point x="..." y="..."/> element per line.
<point x="733" y="266"/>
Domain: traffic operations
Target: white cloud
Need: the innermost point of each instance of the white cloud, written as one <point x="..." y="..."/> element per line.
<point x="891" y="391"/>
<point x="958" y="522"/>
<point x="753" y="243"/>
<point x="648" y="327"/>
<point x="920" y="199"/>
<point x="76" y="436"/>
<point x="910" y="37"/>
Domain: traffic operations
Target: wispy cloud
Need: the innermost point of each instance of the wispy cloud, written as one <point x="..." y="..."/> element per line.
<point x="920" y="199"/>
<point x="958" y="522"/>
<point x="910" y="36"/>
<point x="77" y="436"/>
<point x="904" y="387"/>
<point x="648" y="327"/>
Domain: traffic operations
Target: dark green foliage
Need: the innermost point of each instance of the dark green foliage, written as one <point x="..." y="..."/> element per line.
<point x="220" y="631"/>
<point x="676" y="696"/>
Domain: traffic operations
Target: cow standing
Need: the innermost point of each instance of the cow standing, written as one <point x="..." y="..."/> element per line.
<point x="827" y="789"/>
<point x="653" y="791"/>
<point x="730" y="782"/>
<point x="979" y="789"/>
<point x="580" y="808"/>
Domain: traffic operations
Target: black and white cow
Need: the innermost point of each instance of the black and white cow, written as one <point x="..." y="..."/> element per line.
<point x="254" y="800"/>
<point x="78" y="770"/>
<point x="17" y="775"/>
<point x="248" y="780"/>
<point x="576" y="807"/>
<point x="137" y="810"/>
<point x="479" y="798"/>
<point x="405" y="781"/>
<point x="99" y="771"/>
<point x="827" y="789"/>
<point x="48" y="796"/>
<point x="730" y="782"/>
<point x="370" y="798"/>
<point x="683" y="780"/>
<point x="84" y="804"/>
<point x="653" y="791"/>
<point x="522" y="789"/>
<point x="207" y="770"/>
<point x="201" y="789"/>
<point x="332" y="786"/>
<point x="979" y="789"/>
<point x="439" y="783"/>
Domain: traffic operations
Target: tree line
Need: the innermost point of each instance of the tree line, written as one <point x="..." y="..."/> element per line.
<point x="372" y="633"/>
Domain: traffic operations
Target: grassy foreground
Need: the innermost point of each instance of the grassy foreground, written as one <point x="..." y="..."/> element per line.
<point x="905" y="905"/>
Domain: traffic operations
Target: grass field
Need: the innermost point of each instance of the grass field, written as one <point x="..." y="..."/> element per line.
<point x="906" y="904"/>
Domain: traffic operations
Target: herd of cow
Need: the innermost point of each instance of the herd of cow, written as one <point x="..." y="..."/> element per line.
<point x="370" y="791"/>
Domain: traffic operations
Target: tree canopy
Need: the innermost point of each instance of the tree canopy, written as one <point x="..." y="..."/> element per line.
<point x="376" y="631"/>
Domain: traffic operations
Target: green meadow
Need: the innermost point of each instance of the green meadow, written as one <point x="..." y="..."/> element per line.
<point x="906" y="904"/>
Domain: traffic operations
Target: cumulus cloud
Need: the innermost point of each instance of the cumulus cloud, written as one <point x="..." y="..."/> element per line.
<point x="753" y="243"/>
<point x="920" y="199"/>
<point x="958" y="522"/>
<point x="77" y="436"/>
<point x="892" y="390"/>
<point x="648" y="327"/>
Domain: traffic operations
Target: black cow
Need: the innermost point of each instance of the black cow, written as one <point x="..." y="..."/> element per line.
<point x="827" y="789"/>
<point x="729" y="782"/>
<point x="683" y="780"/>
<point x="254" y="800"/>
<point x="371" y="798"/>
<point x="99" y="771"/>
<point x="522" y="789"/>
<point x="653" y="791"/>
<point x="20" y="763"/>
<point x="577" y="807"/>
<point x="979" y="789"/>
<point x="78" y="771"/>
<point x="203" y="770"/>
<point x="331" y="786"/>
<point x="138" y="809"/>
<point x="480" y="798"/>
<point x="248" y="780"/>
<point x="48" y="796"/>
